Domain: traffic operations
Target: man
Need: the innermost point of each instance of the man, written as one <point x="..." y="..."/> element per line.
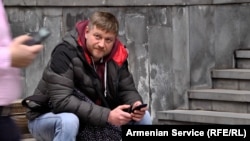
<point x="14" y="54"/>
<point x="91" y="62"/>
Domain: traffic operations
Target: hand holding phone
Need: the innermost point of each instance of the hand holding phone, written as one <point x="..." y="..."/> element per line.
<point x="38" y="37"/>
<point x="139" y="107"/>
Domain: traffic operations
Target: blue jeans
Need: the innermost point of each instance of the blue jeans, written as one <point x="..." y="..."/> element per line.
<point x="63" y="126"/>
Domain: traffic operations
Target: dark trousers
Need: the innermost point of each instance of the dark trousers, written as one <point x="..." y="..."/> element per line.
<point x="9" y="131"/>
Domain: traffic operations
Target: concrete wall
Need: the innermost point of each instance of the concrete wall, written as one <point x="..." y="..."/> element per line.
<point x="173" y="44"/>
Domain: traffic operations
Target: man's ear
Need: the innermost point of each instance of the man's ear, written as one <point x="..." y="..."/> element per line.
<point x="87" y="29"/>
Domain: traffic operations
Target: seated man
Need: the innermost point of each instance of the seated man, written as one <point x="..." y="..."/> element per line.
<point x="88" y="83"/>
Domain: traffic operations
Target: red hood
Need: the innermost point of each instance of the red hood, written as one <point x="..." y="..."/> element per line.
<point x="119" y="53"/>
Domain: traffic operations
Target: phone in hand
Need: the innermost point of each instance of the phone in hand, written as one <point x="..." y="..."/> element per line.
<point x="38" y="37"/>
<point x="139" y="107"/>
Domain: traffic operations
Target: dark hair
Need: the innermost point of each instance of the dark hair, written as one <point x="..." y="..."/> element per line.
<point x="104" y="21"/>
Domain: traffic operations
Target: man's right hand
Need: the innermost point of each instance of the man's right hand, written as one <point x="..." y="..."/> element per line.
<point x="21" y="54"/>
<point x="118" y="116"/>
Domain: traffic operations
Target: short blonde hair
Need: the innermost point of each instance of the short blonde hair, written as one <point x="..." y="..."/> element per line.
<point x="104" y="21"/>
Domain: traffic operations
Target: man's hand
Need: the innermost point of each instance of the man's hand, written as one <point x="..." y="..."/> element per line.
<point x="21" y="54"/>
<point x="137" y="115"/>
<point x="118" y="116"/>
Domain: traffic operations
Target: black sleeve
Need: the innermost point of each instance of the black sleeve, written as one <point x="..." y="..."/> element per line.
<point x="127" y="91"/>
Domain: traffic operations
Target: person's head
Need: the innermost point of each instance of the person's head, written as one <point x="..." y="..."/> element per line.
<point x="101" y="34"/>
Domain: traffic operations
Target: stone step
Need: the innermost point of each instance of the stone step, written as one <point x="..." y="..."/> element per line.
<point x="22" y="123"/>
<point x="242" y="53"/>
<point x="220" y="100"/>
<point x="202" y="117"/>
<point x="243" y="74"/>
<point x="242" y="59"/>
<point x="220" y="95"/>
<point x="17" y="108"/>
<point x="235" y="79"/>
<point x="18" y="115"/>
<point x="226" y="103"/>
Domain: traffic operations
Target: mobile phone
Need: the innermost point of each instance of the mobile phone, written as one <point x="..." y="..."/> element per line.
<point x="139" y="107"/>
<point x="38" y="37"/>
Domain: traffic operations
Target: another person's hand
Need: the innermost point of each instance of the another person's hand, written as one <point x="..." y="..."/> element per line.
<point x="118" y="116"/>
<point x="21" y="54"/>
<point x="137" y="115"/>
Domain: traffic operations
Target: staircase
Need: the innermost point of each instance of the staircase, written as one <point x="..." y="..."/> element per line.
<point x="18" y="115"/>
<point x="227" y="102"/>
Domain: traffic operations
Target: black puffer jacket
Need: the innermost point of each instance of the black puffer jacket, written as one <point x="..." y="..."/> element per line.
<point x="68" y="69"/>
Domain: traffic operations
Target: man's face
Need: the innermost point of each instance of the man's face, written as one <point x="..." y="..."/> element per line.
<point x="99" y="43"/>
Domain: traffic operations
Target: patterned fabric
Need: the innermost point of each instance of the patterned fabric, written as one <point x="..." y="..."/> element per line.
<point x="107" y="133"/>
<point x="97" y="133"/>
